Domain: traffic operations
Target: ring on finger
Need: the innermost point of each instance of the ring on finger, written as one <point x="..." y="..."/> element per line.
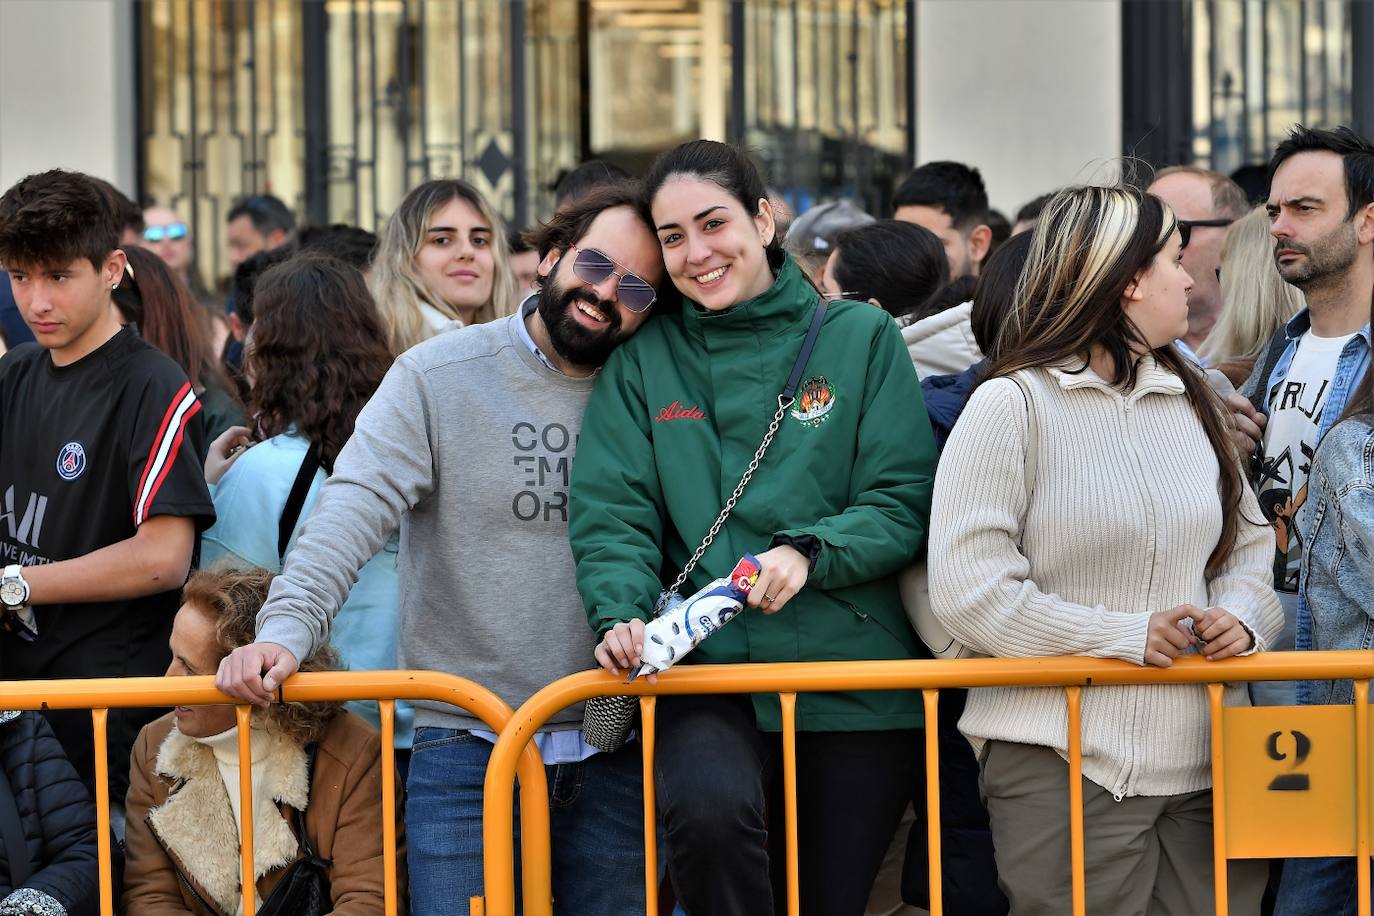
<point x="769" y="599"/>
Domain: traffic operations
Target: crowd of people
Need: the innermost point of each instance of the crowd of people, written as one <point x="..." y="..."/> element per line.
<point x="1132" y="423"/>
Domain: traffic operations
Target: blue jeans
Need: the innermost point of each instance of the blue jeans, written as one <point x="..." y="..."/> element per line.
<point x="596" y="818"/>
<point x="1317" y="887"/>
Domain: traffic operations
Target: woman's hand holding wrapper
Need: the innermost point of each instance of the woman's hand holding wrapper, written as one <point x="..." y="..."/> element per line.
<point x="642" y="648"/>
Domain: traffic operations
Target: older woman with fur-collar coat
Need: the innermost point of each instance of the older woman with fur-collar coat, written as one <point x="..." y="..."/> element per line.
<point x="183" y="841"/>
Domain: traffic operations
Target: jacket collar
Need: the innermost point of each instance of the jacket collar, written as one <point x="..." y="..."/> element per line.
<point x="1301" y="323"/>
<point x="196" y="822"/>
<point x="774" y="310"/>
<point x="1151" y="378"/>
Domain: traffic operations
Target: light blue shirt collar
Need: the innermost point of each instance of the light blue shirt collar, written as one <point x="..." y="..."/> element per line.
<point x="527" y="307"/>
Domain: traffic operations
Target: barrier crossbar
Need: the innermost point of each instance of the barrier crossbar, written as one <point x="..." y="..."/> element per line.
<point x="1073" y="675"/>
<point x="103" y="694"/>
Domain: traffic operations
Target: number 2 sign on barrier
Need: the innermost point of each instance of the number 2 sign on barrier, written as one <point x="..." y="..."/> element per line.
<point x="1290" y="779"/>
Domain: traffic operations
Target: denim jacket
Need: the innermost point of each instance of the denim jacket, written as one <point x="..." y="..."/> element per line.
<point x="1338" y="565"/>
<point x="1350" y="369"/>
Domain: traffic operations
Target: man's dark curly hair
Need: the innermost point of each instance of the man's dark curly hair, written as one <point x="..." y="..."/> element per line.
<point x="54" y="218"/>
<point x="567" y="227"/>
<point x="317" y="351"/>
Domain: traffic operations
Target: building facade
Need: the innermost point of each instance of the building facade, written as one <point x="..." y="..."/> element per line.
<point x="340" y="106"/>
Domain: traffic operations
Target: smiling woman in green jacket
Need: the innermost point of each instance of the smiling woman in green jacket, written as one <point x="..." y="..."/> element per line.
<point x="838" y="505"/>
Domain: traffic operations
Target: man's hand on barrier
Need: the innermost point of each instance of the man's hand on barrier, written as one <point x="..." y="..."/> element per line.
<point x="253" y="673"/>
<point x="1222" y="633"/>
<point x="619" y="650"/>
<point x="1167" y="637"/>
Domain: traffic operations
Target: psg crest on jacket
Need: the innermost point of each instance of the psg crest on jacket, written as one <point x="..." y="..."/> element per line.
<point x="71" y="461"/>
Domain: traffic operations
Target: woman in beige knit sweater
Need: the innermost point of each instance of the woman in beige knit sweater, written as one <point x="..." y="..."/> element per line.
<point x="1137" y="539"/>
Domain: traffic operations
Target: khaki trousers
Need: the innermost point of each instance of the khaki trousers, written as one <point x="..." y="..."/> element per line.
<point x="1144" y="856"/>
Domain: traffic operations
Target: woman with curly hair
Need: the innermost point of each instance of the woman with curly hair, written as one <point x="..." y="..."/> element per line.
<point x="316" y="774"/>
<point x="314" y="356"/>
<point x="442" y="262"/>
<point x="168" y="317"/>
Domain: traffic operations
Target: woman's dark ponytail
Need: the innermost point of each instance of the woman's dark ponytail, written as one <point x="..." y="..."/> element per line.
<point x="724" y="165"/>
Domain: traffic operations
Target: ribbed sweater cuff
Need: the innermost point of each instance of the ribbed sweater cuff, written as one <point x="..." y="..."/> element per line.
<point x="1124" y="636"/>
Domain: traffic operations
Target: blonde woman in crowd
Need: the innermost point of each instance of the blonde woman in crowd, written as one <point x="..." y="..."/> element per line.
<point x="1090" y="502"/>
<point x="442" y="259"/>
<point x="1256" y="301"/>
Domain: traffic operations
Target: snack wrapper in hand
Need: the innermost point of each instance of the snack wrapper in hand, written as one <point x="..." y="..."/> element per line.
<point x="683" y="624"/>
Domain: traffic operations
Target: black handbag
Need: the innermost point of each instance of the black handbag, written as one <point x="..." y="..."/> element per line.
<point x="304" y="890"/>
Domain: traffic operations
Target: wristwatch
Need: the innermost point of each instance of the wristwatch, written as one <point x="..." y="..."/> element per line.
<point x="14" y="591"/>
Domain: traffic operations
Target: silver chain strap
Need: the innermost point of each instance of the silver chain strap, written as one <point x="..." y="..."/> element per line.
<point x="784" y="404"/>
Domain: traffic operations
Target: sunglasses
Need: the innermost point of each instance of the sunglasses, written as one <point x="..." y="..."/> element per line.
<point x="1186" y="226"/>
<point x="171" y="233"/>
<point x="631" y="291"/>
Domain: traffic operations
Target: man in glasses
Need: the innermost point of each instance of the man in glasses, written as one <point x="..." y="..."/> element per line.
<point x="467" y="446"/>
<point x="1206" y="203"/>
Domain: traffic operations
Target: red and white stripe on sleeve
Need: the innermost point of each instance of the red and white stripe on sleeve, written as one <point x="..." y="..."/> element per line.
<point x="166" y="445"/>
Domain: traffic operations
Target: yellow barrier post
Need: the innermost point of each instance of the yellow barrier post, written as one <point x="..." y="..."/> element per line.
<point x="246" y="837"/>
<point x="1220" y="880"/>
<point x="931" y="698"/>
<point x="1074" y="697"/>
<point x="99" y="730"/>
<point x="646" y="736"/>
<point x="386" y="709"/>
<point x="789" y="788"/>
<point x="1362" y="796"/>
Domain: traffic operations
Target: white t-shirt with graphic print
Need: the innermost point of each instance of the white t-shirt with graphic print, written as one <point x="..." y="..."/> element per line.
<point x="1290" y="440"/>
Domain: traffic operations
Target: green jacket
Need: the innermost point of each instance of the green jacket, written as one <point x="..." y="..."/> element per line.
<point x="675" y="418"/>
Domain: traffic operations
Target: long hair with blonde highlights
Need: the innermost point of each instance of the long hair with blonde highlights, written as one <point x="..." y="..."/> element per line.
<point x="230" y="599"/>
<point x="1090" y="244"/>
<point x="399" y="289"/>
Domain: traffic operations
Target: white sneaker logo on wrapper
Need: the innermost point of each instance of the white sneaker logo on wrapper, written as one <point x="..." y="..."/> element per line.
<point x="71" y="461"/>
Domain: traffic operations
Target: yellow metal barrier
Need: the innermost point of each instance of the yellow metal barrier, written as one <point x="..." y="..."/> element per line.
<point x="1237" y="834"/>
<point x="101" y="695"/>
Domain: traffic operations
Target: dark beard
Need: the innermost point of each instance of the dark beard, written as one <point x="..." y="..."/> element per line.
<point x="574" y="343"/>
<point x="1328" y="257"/>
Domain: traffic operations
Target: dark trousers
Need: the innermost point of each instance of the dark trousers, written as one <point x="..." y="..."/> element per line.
<point x="968" y="869"/>
<point x="719" y="790"/>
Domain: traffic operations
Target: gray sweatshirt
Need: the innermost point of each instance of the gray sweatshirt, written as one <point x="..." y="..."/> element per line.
<point x="468" y="445"/>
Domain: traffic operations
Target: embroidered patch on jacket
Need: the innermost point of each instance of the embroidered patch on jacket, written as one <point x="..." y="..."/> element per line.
<point x="675" y="411"/>
<point x="814" y="401"/>
<point x="71" y="461"/>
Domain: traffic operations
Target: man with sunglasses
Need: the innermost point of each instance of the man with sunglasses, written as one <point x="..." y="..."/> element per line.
<point x="1206" y="204"/>
<point x="468" y="446"/>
